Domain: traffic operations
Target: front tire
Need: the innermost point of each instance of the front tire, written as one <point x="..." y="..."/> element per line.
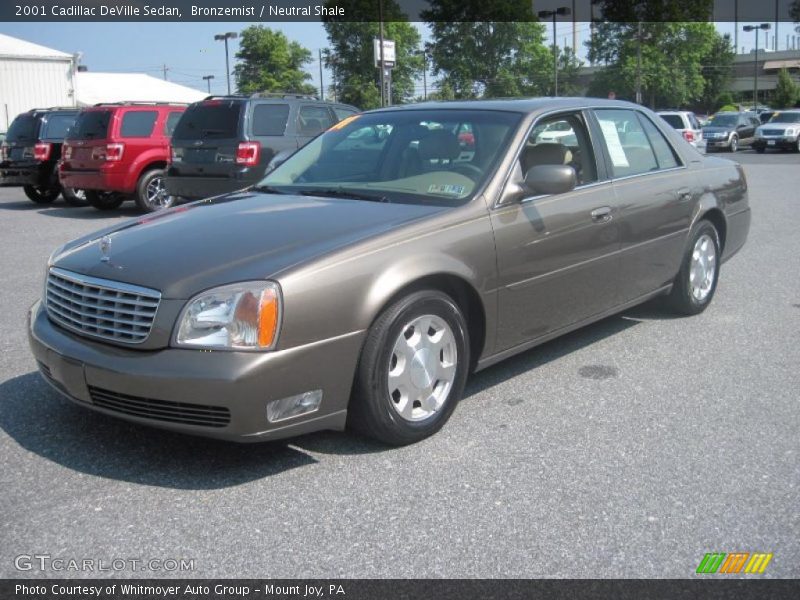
<point x="412" y="369"/>
<point x="694" y="287"/>
<point x="797" y="144"/>
<point x="104" y="200"/>
<point x="734" y="145"/>
<point x="74" y="197"/>
<point x="41" y="195"/>
<point x="151" y="195"/>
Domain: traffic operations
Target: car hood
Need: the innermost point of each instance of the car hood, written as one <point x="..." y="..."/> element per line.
<point x="231" y="238"/>
<point x="717" y="129"/>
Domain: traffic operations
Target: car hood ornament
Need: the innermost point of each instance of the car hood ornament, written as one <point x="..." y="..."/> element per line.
<point x="105" y="248"/>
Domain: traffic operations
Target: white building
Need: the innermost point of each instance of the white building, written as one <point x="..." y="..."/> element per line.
<point x="33" y="76"/>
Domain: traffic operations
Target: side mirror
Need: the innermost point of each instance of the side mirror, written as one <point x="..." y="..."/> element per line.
<point x="551" y="179"/>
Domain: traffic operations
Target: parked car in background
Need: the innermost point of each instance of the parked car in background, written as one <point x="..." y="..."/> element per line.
<point x="30" y="153"/>
<point x="730" y="130"/>
<point x="226" y="143"/>
<point x="120" y="151"/>
<point x="782" y="132"/>
<point x="685" y="123"/>
<point x="359" y="284"/>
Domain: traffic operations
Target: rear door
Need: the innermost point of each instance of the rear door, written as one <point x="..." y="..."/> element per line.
<point x="88" y="138"/>
<point x="206" y="138"/>
<point x="654" y="190"/>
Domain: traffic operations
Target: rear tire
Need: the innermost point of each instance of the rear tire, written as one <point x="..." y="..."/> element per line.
<point x="41" y="195"/>
<point x="74" y="197"/>
<point x="412" y="369"/>
<point x="104" y="200"/>
<point x="151" y="195"/>
<point x="694" y="287"/>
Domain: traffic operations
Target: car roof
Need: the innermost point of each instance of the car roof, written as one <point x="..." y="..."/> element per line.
<point x="518" y="105"/>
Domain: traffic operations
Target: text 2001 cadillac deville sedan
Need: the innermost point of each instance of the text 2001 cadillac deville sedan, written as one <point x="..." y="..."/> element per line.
<point x="364" y="278"/>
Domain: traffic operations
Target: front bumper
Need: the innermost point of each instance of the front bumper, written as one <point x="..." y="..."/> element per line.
<point x="780" y="143"/>
<point x="164" y="382"/>
<point x="718" y="143"/>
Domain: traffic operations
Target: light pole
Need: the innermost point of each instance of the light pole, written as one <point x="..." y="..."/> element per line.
<point x="208" y="79"/>
<point x="424" y="54"/>
<point x="224" y="37"/>
<point x="765" y="27"/>
<point x="546" y="14"/>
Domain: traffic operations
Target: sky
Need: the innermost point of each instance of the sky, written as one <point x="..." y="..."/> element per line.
<point x="188" y="49"/>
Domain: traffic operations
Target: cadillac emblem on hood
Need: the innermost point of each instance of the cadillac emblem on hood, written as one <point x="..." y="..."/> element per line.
<point x="105" y="248"/>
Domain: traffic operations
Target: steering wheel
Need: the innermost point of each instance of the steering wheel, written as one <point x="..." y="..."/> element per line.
<point x="467" y="169"/>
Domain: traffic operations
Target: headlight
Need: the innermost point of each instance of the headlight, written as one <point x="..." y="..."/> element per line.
<point x="241" y="316"/>
<point x="759" y="133"/>
<point x="790" y="132"/>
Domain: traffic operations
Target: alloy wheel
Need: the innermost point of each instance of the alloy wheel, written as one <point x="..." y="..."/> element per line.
<point x="703" y="268"/>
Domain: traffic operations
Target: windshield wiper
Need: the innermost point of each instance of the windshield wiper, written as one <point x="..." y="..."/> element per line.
<point x="267" y="189"/>
<point x="342" y="193"/>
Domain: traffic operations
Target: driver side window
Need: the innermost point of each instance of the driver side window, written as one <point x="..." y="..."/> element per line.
<point x="560" y="140"/>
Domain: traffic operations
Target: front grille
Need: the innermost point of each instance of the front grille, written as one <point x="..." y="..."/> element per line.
<point x="101" y="308"/>
<point x="161" y="410"/>
<point x="773" y="132"/>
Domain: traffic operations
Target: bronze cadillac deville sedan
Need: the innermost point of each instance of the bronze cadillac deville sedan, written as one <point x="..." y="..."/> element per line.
<point x="364" y="278"/>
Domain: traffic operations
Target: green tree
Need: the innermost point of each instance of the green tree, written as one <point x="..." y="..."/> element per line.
<point x="351" y="54"/>
<point x="717" y="70"/>
<point x="269" y="62"/>
<point x="488" y="58"/>
<point x="672" y="59"/>
<point x="787" y="91"/>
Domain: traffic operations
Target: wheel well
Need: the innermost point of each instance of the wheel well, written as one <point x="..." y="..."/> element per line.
<point x="465" y="296"/>
<point x="159" y="164"/>
<point x="717" y="219"/>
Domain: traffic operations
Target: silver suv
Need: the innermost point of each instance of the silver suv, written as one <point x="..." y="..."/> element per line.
<point x="686" y="123"/>
<point x="782" y="131"/>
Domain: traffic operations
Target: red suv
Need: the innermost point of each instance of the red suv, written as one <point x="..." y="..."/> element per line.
<point x="117" y="151"/>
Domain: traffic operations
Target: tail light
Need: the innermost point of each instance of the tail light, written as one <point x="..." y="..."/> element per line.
<point x="109" y="152"/>
<point x="248" y="153"/>
<point x="688" y="135"/>
<point x="42" y="151"/>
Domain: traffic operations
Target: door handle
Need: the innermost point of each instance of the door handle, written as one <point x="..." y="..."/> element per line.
<point x="684" y="195"/>
<point x="601" y="215"/>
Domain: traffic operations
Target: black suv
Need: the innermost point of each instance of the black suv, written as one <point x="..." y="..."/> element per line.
<point x="226" y="143"/>
<point x="31" y="151"/>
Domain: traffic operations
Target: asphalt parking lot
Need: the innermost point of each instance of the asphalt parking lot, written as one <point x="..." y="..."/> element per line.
<point x="627" y="449"/>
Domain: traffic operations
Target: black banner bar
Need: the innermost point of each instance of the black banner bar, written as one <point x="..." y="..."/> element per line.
<point x="706" y="588"/>
<point x="267" y="11"/>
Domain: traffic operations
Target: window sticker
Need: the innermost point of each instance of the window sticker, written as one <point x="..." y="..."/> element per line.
<point x="446" y="188"/>
<point x="613" y="143"/>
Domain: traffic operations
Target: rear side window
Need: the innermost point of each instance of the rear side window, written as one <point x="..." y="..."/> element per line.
<point x="674" y="120"/>
<point x="138" y="123"/>
<point x="693" y="121"/>
<point x="343" y="113"/>
<point x="213" y="119"/>
<point x="627" y="144"/>
<point x="171" y="122"/>
<point x="57" y="127"/>
<point x="23" y="128"/>
<point x="313" y="120"/>
<point x="664" y="154"/>
<point x="92" y="124"/>
<point x="270" y="119"/>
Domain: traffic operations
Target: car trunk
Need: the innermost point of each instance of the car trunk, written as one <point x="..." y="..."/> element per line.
<point x="88" y="139"/>
<point x="206" y="138"/>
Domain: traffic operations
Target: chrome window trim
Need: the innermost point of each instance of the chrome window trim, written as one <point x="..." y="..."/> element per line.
<point x="107" y="284"/>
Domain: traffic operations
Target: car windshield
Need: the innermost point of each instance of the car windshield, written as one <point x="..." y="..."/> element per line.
<point x="675" y="120"/>
<point x="786" y="118"/>
<point x="91" y="124"/>
<point x="209" y="119"/>
<point x="23" y="128"/>
<point x="724" y="121"/>
<point x="439" y="156"/>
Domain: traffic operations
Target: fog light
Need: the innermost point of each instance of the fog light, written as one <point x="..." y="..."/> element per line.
<point x="293" y="406"/>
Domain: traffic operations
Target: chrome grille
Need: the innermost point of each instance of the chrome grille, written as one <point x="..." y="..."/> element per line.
<point x="774" y="132"/>
<point x="99" y="307"/>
